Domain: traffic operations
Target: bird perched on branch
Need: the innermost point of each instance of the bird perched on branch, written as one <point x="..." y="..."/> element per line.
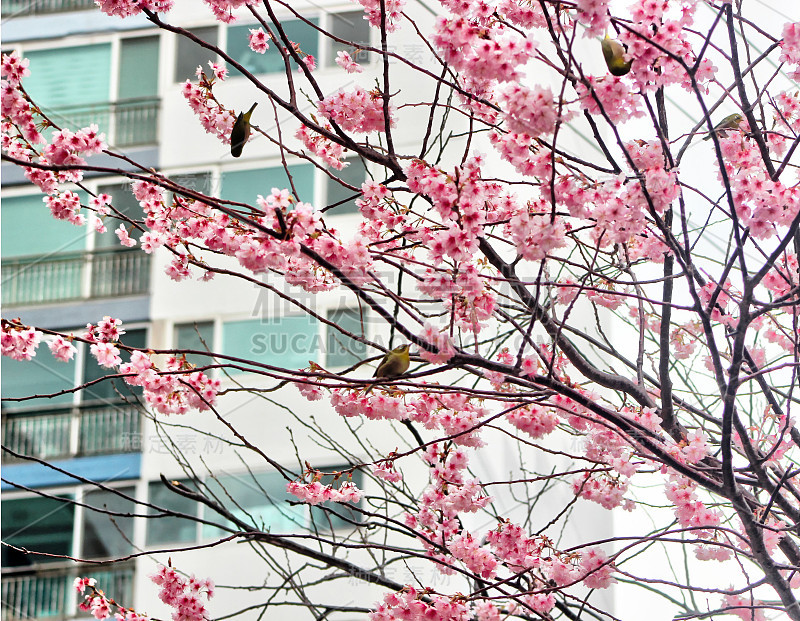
<point x="614" y="54"/>
<point x="728" y="123"/>
<point x="241" y="131"/>
<point x="393" y="364"/>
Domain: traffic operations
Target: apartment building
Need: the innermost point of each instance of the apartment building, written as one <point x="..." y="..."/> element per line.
<point x="125" y="76"/>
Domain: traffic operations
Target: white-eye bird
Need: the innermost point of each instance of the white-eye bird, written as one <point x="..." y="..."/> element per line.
<point x="393" y="364"/>
<point x="730" y="122"/>
<point x="241" y="131"/>
<point x="614" y="54"/>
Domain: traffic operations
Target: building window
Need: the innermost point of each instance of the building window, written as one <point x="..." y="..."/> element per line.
<point x="244" y="186"/>
<point x="136" y="109"/>
<point x="342" y="350"/>
<point x="294" y="340"/>
<point x="128" y="117"/>
<point x="170" y="529"/>
<point x="198" y="336"/>
<point x="261" y="500"/>
<point x="110" y="391"/>
<point x="339" y="198"/>
<point x="99" y="422"/>
<point x="190" y="55"/>
<point x="37" y="586"/>
<point x="305" y="36"/>
<point x="350" y="26"/>
<point x="104" y="535"/>
<point x="35" y="523"/>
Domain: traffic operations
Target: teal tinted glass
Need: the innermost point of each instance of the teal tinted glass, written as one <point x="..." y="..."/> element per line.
<point x="59" y="76"/>
<point x="110" y="390"/>
<point x="42" y="375"/>
<point x="245" y="185"/>
<point x="36" y="524"/>
<point x="289" y="342"/>
<point x="341" y="196"/>
<point x="305" y="36"/>
<point x="343" y="351"/>
<point x="138" y="68"/>
<point x="104" y="535"/>
<point x="22" y="215"/>
<point x="262" y="503"/>
<point x="170" y="529"/>
<point x="198" y="336"/>
<point x="190" y="55"/>
<point x="350" y="26"/>
<point x="59" y="84"/>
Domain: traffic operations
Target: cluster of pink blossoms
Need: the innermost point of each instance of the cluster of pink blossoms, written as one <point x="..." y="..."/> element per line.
<point x="655" y="40"/>
<point x="315" y="492"/>
<point x="182" y="594"/>
<point x="19" y="342"/>
<point x="215" y="119"/>
<point x="258" y="40"/>
<point x="127" y="8"/>
<point x="485" y="54"/>
<point x="346" y="62"/>
<point x="328" y="151"/>
<point x="358" y="110"/>
<point x="20" y="135"/>
<point x="790" y="47"/>
<point x="391" y="8"/>
<point x="408" y="605"/>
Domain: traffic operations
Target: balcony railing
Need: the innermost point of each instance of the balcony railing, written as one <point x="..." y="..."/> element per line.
<point x="48" y="594"/>
<point x="126" y="123"/>
<point x="75" y="276"/>
<point x="74" y="432"/>
<point x="43" y="7"/>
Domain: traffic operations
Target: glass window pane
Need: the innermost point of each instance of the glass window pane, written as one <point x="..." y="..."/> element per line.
<point x="343" y="197"/>
<point x="262" y="500"/>
<point x="350" y="26"/>
<point x="58" y="76"/>
<point x="136" y="111"/>
<point x="123" y="200"/>
<point x="271" y="61"/>
<point x="40" y="524"/>
<point x="343" y="351"/>
<point x="190" y="54"/>
<point x="200" y="182"/>
<point x="245" y="185"/>
<point x="42" y="375"/>
<point x="58" y="83"/>
<point x="289" y="341"/>
<point x="138" y="68"/>
<point x="103" y="535"/>
<point x="23" y="214"/>
<point x="167" y="530"/>
<point x="105" y="391"/>
<point x="198" y="336"/>
<point x="340" y="515"/>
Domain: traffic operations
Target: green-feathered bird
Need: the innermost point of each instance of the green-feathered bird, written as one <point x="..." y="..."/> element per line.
<point x="614" y="53"/>
<point x="241" y="131"/>
<point x="728" y="123"/>
<point x="394" y="363"/>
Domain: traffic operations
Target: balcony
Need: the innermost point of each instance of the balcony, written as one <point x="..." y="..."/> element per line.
<point x="73" y="432"/>
<point x="74" y="276"/>
<point x="44" y="7"/>
<point x="48" y="593"/>
<point x="126" y="123"/>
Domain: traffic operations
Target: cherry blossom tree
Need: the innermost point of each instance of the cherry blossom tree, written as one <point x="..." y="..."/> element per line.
<point x="619" y="311"/>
